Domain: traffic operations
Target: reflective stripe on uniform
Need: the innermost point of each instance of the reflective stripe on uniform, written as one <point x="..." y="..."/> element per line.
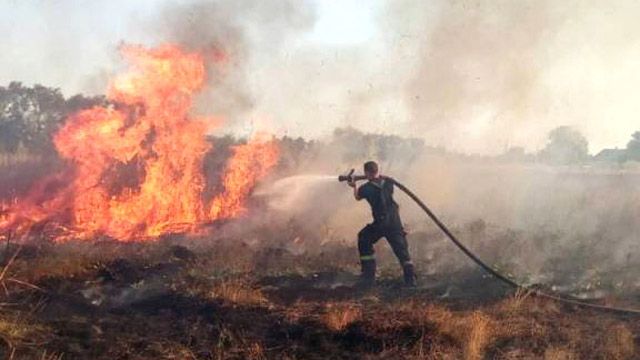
<point x="367" y="257"/>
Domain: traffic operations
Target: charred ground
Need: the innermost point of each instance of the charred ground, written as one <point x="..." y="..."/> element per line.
<point x="194" y="298"/>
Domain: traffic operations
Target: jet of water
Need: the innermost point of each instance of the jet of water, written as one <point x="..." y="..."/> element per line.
<point x="284" y="193"/>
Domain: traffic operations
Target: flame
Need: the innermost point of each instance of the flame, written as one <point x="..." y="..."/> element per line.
<point x="248" y="163"/>
<point x="150" y="133"/>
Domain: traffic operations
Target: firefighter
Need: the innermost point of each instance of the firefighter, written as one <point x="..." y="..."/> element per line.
<point x="378" y="191"/>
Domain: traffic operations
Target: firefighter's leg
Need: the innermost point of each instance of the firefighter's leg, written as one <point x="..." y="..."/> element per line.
<point x="398" y="242"/>
<point x="367" y="237"/>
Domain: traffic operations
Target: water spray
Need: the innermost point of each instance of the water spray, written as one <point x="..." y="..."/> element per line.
<point x="350" y="177"/>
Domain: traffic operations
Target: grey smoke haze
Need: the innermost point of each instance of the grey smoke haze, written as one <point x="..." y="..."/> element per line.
<point x="485" y="75"/>
<point x="474" y="76"/>
<point x="229" y="33"/>
<point x="572" y="227"/>
<point x="480" y="68"/>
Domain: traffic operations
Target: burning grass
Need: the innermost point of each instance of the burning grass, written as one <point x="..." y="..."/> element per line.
<point x="136" y="165"/>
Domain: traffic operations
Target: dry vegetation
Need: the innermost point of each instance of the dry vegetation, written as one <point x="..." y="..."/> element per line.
<point x="337" y="316"/>
<point x="192" y="299"/>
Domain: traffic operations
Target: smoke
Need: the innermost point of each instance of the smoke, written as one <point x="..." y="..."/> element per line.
<point x="571" y="227"/>
<point x="485" y="75"/>
<point x="474" y="76"/>
<point x="479" y="72"/>
<point x="233" y="35"/>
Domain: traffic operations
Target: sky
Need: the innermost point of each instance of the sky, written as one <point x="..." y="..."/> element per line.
<point x="473" y="76"/>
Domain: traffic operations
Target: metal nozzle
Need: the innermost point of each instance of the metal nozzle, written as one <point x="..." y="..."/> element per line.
<point x="347" y="177"/>
<point x="351" y="177"/>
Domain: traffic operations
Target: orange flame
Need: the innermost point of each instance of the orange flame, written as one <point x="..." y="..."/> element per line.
<point x="150" y="134"/>
<point x="249" y="163"/>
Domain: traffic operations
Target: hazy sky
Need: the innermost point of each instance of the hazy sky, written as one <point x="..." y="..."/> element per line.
<point x="475" y="76"/>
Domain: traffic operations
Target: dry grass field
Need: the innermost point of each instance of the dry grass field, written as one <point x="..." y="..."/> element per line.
<point x="179" y="298"/>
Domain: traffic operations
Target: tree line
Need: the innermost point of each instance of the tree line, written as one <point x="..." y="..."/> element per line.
<point x="30" y="116"/>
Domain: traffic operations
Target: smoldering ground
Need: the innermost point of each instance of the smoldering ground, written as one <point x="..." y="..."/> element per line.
<point x="568" y="227"/>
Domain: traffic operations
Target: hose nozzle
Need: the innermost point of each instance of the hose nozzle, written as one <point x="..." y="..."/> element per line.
<point x="350" y="177"/>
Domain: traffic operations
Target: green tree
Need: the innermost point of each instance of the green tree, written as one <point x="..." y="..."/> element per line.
<point x="565" y="146"/>
<point x="633" y="147"/>
<point x="29" y="116"/>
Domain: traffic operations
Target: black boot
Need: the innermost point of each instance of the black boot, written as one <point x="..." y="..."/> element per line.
<point x="409" y="275"/>
<point x="368" y="274"/>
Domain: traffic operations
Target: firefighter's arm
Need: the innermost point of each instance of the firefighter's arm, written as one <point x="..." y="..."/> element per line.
<point x="355" y="190"/>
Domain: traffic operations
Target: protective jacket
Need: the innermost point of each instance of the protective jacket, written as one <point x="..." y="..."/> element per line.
<point x="386" y="223"/>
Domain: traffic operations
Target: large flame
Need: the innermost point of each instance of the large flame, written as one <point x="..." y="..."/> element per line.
<point x="150" y="134"/>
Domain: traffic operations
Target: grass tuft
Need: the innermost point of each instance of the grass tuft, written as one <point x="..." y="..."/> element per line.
<point x="619" y="343"/>
<point x="239" y="292"/>
<point x="474" y="331"/>
<point x="338" y="316"/>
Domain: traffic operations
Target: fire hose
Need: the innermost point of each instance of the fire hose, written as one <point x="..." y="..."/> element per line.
<point x="487" y="268"/>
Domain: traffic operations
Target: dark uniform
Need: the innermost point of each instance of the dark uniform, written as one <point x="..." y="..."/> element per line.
<point x="386" y="223"/>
